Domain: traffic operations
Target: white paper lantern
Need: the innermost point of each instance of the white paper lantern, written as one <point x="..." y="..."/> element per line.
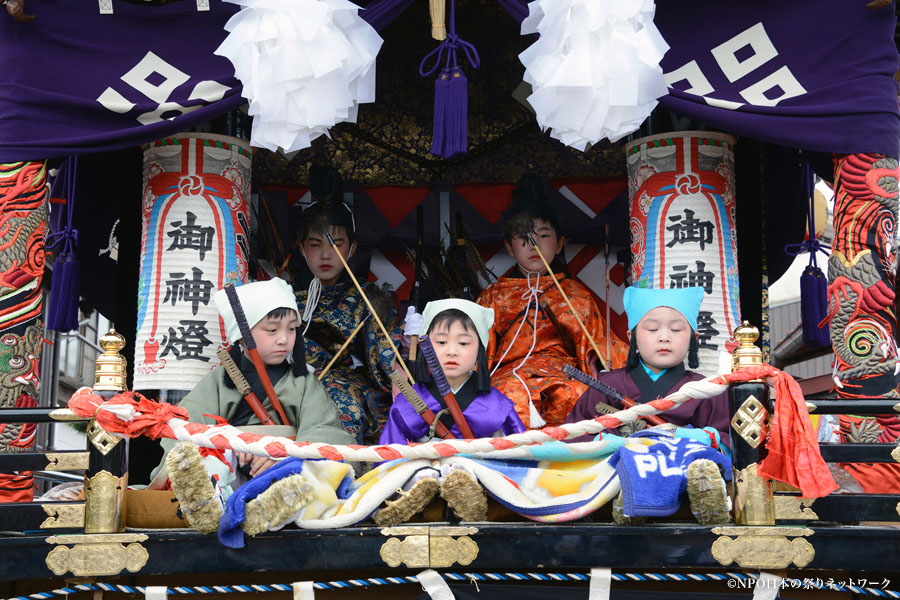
<point x="194" y="241"/>
<point x="681" y="187"/>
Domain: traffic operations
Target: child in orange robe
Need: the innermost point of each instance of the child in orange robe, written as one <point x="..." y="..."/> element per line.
<point x="535" y="332"/>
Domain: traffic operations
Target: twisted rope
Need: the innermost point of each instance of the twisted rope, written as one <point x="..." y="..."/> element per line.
<point x="119" y="413"/>
<point x="508" y="577"/>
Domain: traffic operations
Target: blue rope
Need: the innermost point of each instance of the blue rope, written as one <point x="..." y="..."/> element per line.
<point x="806" y="583"/>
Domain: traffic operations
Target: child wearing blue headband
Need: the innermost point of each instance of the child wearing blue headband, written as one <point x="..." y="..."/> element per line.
<point x="662" y="334"/>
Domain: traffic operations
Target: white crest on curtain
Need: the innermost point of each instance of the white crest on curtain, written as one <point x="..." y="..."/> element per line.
<point x="594" y="70"/>
<point x="305" y="66"/>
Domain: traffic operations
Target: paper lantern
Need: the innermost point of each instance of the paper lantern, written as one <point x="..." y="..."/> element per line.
<point x="193" y="242"/>
<point x="681" y="190"/>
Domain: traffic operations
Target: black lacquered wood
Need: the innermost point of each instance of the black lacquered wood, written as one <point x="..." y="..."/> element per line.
<point x="115" y="461"/>
<point x="868" y="453"/>
<point x="31" y="415"/>
<point x="853" y="406"/>
<point x="29" y="461"/>
<point x="743" y="454"/>
<point x="25" y="517"/>
<point x="852" y="508"/>
<point x="506" y="546"/>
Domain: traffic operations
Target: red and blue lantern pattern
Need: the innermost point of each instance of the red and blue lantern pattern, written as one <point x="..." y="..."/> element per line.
<point x="682" y="225"/>
<point x="194" y="241"/>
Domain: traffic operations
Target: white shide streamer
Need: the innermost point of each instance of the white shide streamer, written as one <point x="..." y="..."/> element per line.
<point x="594" y="71"/>
<point x="305" y="66"/>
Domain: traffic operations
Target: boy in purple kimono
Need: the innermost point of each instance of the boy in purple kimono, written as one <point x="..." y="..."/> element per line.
<point x="458" y="331"/>
<point x="662" y="333"/>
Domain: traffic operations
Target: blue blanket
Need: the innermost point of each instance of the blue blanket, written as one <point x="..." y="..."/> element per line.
<point x="653" y="478"/>
<point x="230" y="533"/>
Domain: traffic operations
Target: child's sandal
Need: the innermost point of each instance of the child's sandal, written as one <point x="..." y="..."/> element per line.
<point x="619" y="516"/>
<point x="408" y="504"/>
<point x="277" y="505"/>
<point x="709" y="499"/>
<point x="193" y="488"/>
<point x="464" y="495"/>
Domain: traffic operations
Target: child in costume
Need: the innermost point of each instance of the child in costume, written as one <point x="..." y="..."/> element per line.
<point x="662" y="333"/>
<point x="458" y="330"/>
<point x="272" y="316"/>
<point x="535" y="332"/>
<point x="332" y="311"/>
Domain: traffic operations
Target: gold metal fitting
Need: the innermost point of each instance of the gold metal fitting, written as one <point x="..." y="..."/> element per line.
<point x="746" y="354"/>
<point x="109" y="376"/>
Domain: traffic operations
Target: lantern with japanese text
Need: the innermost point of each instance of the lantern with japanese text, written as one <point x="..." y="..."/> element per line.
<point x="194" y="241"/>
<point x="681" y="190"/>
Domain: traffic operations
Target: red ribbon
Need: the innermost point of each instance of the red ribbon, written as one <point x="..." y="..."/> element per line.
<point x="793" y="450"/>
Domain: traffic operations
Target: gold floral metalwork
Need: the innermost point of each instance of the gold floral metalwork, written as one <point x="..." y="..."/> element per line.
<point x="763" y="547"/>
<point x="67" y="461"/>
<point x="105" y="503"/>
<point x="895" y="454"/>
<point x="750" y="421"/>
<point x="63" y="515"/>
<point x="753" y="500"/>
<point x="794" y="508"/>
<point x="102" y="441"/>
<point x="425" y="546"/>
<point x="96" y="555"/>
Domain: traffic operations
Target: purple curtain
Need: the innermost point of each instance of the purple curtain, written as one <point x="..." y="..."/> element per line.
<point x="813" y="74"/>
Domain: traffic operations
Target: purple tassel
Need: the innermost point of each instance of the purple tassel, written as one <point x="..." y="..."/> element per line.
<point x="813" y="283"/>
<point x="451" y="114"/>
<point x="814" y="307"/>
<point x="451" y="92"/>
<point x="65" y="287"/>
<point x="65" y="290"/>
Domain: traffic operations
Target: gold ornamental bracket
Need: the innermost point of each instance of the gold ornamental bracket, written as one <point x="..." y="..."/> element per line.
<point x="425" y="546"/>
<point x="67" y="461"/>
<point x="751" y="421"/>
<point x="63" y="516"/>
<point x="97" y="555"/>
<point x="763" y="547"/>
<point x="794" y="508"/>
<point x="102" y="440"/>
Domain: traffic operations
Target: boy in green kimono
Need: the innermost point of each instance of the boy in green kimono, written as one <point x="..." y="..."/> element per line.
<point x="272" y="316"/>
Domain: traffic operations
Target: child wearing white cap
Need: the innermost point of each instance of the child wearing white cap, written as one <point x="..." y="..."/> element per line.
<point x="459" y="331"/>
<point x="272" y="316"/>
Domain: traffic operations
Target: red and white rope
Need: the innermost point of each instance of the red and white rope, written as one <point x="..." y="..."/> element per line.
<point x="119" y="415"/>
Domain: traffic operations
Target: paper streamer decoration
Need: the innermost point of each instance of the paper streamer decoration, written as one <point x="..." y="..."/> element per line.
<point x="193" y="242"/>
<point x="305" y="65"/>
<point x="23" y="225"/>
<point x="594" y="71"/>
<point x="681" y="187"/>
